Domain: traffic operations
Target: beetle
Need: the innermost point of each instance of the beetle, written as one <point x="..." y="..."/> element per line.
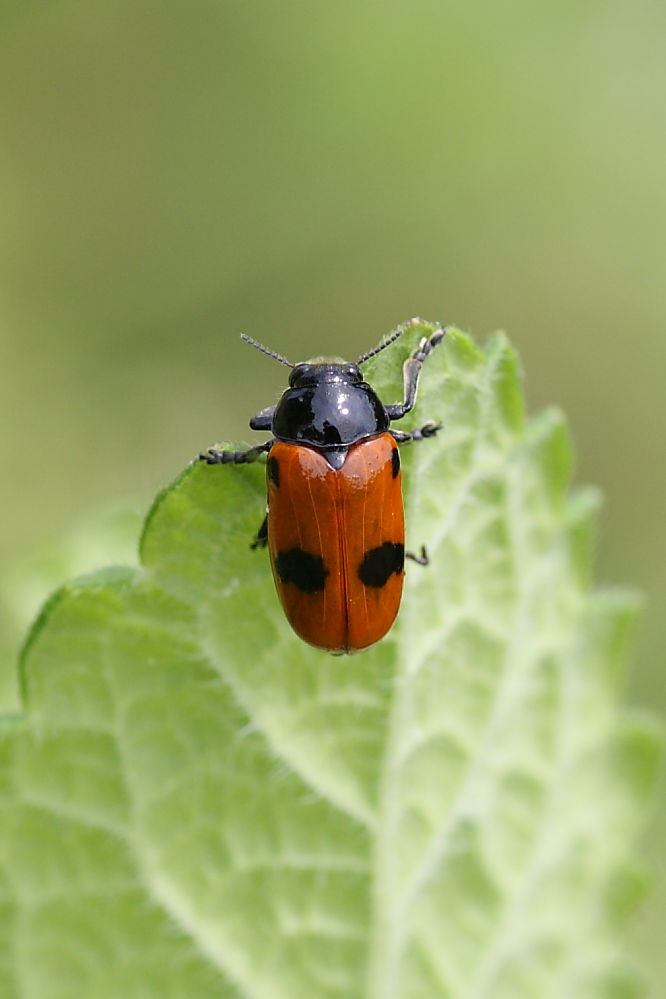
<point x="334" y="523"/>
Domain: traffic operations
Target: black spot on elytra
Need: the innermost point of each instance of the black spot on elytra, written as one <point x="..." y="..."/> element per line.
<point x="305" y="571"/>
<point x="395" y="461"/>
<point x="274" y="471"/>
<point x="380" y="563"/>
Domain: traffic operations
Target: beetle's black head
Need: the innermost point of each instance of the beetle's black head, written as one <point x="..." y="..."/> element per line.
<point x="320" y="370"/>
<point x="328" y="405"/>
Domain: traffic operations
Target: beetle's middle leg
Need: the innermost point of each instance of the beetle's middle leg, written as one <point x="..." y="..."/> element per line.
<point x="428" y="429"/>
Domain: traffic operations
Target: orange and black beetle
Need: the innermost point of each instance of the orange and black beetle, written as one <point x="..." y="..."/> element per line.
<point x="334" y="523"/>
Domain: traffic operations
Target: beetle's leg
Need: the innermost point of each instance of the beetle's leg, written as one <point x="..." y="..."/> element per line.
<point x="428" y="429"/>
<point x="263" y="420"/>
<point x="411" y="370"/>
<point x="214" y="457"/>
<point x="261" y="539"/>
<point x="421" y="558"/>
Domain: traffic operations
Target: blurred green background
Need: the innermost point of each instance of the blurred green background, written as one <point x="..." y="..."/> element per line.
<point x="312" y="174"/>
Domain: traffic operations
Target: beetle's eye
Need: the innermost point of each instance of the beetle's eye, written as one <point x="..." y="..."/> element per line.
<point x="299" y="372"/>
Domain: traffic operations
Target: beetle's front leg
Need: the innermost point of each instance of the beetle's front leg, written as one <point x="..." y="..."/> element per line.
<point x="411" y="372"/>
<point x="214" y="457"/>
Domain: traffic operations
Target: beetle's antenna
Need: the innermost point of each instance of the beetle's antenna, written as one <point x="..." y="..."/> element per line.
<point x="386" y="343"/>
<point x="266" y="350"/>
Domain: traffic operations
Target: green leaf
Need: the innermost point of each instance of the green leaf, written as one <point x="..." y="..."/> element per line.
<point x="198" y="804"/>
<point x="108" y="534"/>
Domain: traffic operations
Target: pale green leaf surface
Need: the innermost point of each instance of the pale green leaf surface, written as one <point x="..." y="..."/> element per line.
<point x="198" y="805"/>
<point x="108" y="534"/>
